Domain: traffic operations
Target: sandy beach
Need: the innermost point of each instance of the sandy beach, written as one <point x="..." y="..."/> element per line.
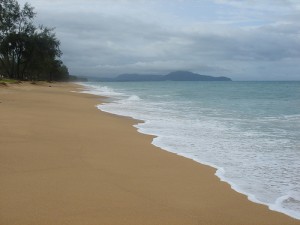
<point x="64" y="162"/>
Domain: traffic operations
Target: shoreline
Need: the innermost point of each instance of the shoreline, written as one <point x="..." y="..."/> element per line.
<point x="219" y="171"/>
<point x="63" y="161"/>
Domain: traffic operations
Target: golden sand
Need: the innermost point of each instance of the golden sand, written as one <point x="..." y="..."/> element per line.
<point x="64" y="162"/>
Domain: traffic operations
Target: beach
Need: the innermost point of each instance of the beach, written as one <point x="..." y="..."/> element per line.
<point x="63" y="161"/>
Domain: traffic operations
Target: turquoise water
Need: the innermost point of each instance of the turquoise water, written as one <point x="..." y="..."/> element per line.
<point x="249" y="131"/>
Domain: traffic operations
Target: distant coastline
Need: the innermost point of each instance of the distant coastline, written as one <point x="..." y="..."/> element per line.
<point x="173" y="76"/>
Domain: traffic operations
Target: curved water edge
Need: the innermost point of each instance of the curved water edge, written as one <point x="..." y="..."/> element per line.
<point x="220" y="173"/>
<point x="158" y="141"/>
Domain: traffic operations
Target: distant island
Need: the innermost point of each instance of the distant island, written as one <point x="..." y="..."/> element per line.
<point x="173" y="76"/>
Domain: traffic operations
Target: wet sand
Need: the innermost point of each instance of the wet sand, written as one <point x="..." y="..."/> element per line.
<point x="64" y="162"/>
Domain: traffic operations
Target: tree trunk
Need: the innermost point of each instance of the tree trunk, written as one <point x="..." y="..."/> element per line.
<point x="4" y="67"/>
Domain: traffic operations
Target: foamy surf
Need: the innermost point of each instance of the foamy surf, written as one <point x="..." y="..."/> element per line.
<point x="254" y="148"/>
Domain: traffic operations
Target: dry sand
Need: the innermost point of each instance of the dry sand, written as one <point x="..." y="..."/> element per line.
<point x="62" y="161"/>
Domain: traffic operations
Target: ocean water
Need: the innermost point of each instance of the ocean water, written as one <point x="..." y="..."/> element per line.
<point x="249" y="131"/>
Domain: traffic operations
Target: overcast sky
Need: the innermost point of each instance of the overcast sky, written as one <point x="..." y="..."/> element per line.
<point x="241" y="39"/>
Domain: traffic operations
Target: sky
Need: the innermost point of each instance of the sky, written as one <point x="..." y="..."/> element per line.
<point x="241" y="39"/>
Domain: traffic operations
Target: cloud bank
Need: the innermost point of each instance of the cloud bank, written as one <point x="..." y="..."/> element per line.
<point x="245" y="41"/>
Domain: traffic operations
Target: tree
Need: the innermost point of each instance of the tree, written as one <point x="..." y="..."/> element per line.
<point x="41" y="55"/>
<point x="26" y="51"/>
<point x="16" y="25"/>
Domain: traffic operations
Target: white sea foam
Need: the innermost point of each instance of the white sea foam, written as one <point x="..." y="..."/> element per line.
<point x="133" y="98"/>
<point x="248" y="153"/>
<point x="99" y="90"/>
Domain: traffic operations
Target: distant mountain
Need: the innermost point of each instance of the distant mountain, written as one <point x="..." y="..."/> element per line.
<point x="189" y="76"/>
<point x="138" y="77"/>
<point x="173" y="76"/>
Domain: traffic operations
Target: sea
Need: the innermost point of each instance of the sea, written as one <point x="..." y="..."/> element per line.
<point x="248" y="131"/>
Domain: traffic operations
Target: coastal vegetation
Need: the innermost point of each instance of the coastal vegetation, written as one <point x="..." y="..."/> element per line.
<point x="28" y="51"/>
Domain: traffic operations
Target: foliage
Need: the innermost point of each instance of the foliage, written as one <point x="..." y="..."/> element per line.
<point x="27" y="52"/>
<point x="9" y="81"/>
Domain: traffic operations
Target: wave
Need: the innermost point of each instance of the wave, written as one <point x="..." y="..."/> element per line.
<point x="160" y="119"/>
<point x="133" y="98"/>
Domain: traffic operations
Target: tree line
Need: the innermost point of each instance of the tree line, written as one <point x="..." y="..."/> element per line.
<point x="27" y="51"/>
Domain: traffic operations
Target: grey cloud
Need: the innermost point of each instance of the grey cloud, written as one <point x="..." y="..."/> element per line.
<point x="151" y="49"/>
<point x="259" y="3"/>
<point x="107" y="43"/>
